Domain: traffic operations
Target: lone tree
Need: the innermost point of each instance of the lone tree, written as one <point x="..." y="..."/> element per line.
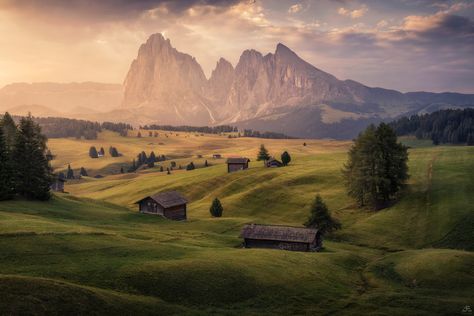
<point x="263" y="154"/>
<point x="320" y="217"/>
<point x="206" y="164"/>
<point x="34" y="176"/>
<point x="377" y="167"/>
<point x="83" y="172"/>
<point x="93" y="152"/>
<point x="285" y="158"/>
<point x="216" y="208"/>
<point x="69" y="173"/>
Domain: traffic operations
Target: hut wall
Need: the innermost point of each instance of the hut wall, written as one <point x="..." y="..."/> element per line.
<point x="150" y="206"/>
<point x="176" y="213"/>
<point x="236" y="167"/>
<point x="275" y="244"/>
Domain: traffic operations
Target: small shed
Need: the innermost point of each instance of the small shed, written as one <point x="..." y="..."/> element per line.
<point x="273" y="163"/>
<point x="281" y="237"/>
<point x="58" y="183"/>
<point x="236" y="164"/>
<point x="171" y="205"/>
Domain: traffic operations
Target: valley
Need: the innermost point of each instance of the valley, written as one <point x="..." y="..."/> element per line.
<point x="89" y="250"/>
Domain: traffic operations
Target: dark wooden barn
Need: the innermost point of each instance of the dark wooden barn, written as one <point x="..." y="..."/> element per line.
<point x="170" y="205"/>
<point x="236" y="164"/>
<point x="273" y="163"/>
<point x="281" y="237"/>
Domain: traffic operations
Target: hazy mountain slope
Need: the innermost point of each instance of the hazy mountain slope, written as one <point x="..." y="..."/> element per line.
<point x="62" y="97"/>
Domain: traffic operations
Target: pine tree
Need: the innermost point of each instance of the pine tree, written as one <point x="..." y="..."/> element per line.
<point x="320" y="217"/>
<point x="206" y="164"/>
<point x="216" y="208"/>
<point x="83" y="172"/>
<point x="377" y="167"/>
<point x="9" y="131"/>
<point x="93" y="152"/>
<point x="33" y="172"/>
<point x="7" y="184"/>
<point x="69" y="173"/>
<point x="285" y="158"/>
<point x="470" y="139"/>
<point x="152" y="157"/>
<point x="263" y="154"/>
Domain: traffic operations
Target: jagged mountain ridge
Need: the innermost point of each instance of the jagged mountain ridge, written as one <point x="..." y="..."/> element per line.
<point x="170" y="87"/>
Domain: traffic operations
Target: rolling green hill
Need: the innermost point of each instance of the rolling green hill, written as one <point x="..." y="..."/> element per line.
<point x="90" y="252"/>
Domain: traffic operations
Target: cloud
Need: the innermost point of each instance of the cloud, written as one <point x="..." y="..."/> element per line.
<point x="295" y="8"/>
<point x="354" y="14"/>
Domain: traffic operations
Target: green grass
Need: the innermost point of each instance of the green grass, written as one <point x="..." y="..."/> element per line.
<point x="90" y="252"/>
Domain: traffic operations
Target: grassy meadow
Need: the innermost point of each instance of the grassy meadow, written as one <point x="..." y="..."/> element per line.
<point x="88" y="251"/>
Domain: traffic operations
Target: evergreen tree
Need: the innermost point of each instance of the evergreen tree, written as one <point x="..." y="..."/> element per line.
<point x="9" y="131"/>
<point x="285" y="158"/>
<point x="216" y="208"/>
<point x="190" y="166"/>
<point x="69" y="173"/>
<point x="93" y="152"/>
<point x="206" y="164"/>
<point x="320" y="217"/>
<point x="173" y="164"/>
<point x="304" y="144"/>
<point x="83" y="172"/>
<point x="113" y="152"/>
<point x="377" y="167"/>
<point x="168" y="171"/>
<point x="7" y="184"/>
<point x="150" y="163"/>
<point x="470" y="140"/>
<point x="152" y="157"/>
<point x="263" y="154"/>
<point x="33" y="172"/>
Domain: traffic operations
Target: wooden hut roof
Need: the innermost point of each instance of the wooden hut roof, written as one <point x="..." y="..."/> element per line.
<point x="280" y="233"/>
<point x="238" y="160"/>
<point x="167" y="199"/>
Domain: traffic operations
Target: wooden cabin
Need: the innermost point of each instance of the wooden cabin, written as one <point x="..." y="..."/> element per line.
<point x="281" y="237"/>
<point x="58" y="184"/>
<point x="236" y="164"/>
<point x="171" y="205"/>
<point x="273" y="163"/>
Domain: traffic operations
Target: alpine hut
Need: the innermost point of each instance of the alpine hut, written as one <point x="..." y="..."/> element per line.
<point x="171" y="205"/>
<point x="281" y="237"/>
<point x="236" y="164"/>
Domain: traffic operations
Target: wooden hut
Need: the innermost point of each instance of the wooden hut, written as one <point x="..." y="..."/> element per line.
<point x="273" y="163"/>
<point x="170" y="205"/>
<point x="281" y="237"/>
<point x="236" y="164"/>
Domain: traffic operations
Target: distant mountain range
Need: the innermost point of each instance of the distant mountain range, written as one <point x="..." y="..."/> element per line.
<point x="278" y="92"/>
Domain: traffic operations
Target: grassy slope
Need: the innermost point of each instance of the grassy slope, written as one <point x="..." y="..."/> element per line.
<point x="101" y="254"/>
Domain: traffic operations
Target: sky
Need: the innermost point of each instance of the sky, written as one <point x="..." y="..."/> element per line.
<point x="408" y="45"/>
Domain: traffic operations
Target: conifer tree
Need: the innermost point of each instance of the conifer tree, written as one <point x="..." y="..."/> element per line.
<point x="377" y="167"/>
<point x="152" y="157"/>
<point x="216" y="208"/>
<point x="9" y="131"/>
<point x="320" y="217"/>
<point x="7" y="184"/>
<point x="33" y="172"/>
<point x="93" y="152"/>
<point x="285" y="158"/>
<point x="69" y="173"/>
<point x="263" y="154"/>
<point x="206" y="164"/>
<point x="83" y="172"/>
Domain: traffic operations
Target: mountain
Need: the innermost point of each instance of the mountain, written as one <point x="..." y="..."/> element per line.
<point x="61" y="98"/>
<point x="278" y="92"/>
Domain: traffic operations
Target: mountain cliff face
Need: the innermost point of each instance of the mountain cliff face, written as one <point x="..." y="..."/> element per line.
<point x="271" y="91"/>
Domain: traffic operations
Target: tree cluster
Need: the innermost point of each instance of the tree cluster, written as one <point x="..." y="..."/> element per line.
<point x="377" y="167"/>
<point x="24" y="168"/>
<point x="195" y="129"/>
<point x="264" y="156"/>
<point x="444" y="126"/>
<point x="270" y="135"/>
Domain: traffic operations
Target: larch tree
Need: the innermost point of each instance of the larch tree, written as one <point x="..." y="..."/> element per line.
<point x="320" y="217"/>
<point x="216" y="208"/>
<point x="7" y="184"/>
<point x="263" y="154"/>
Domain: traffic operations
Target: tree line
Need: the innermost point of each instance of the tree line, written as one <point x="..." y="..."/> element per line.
<point x="270" y="135"/>
<point x="24" y="168"/>
<point x="59" y="127"/>
<point x="444" y="126"/>
<point x="194" y="129"/>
